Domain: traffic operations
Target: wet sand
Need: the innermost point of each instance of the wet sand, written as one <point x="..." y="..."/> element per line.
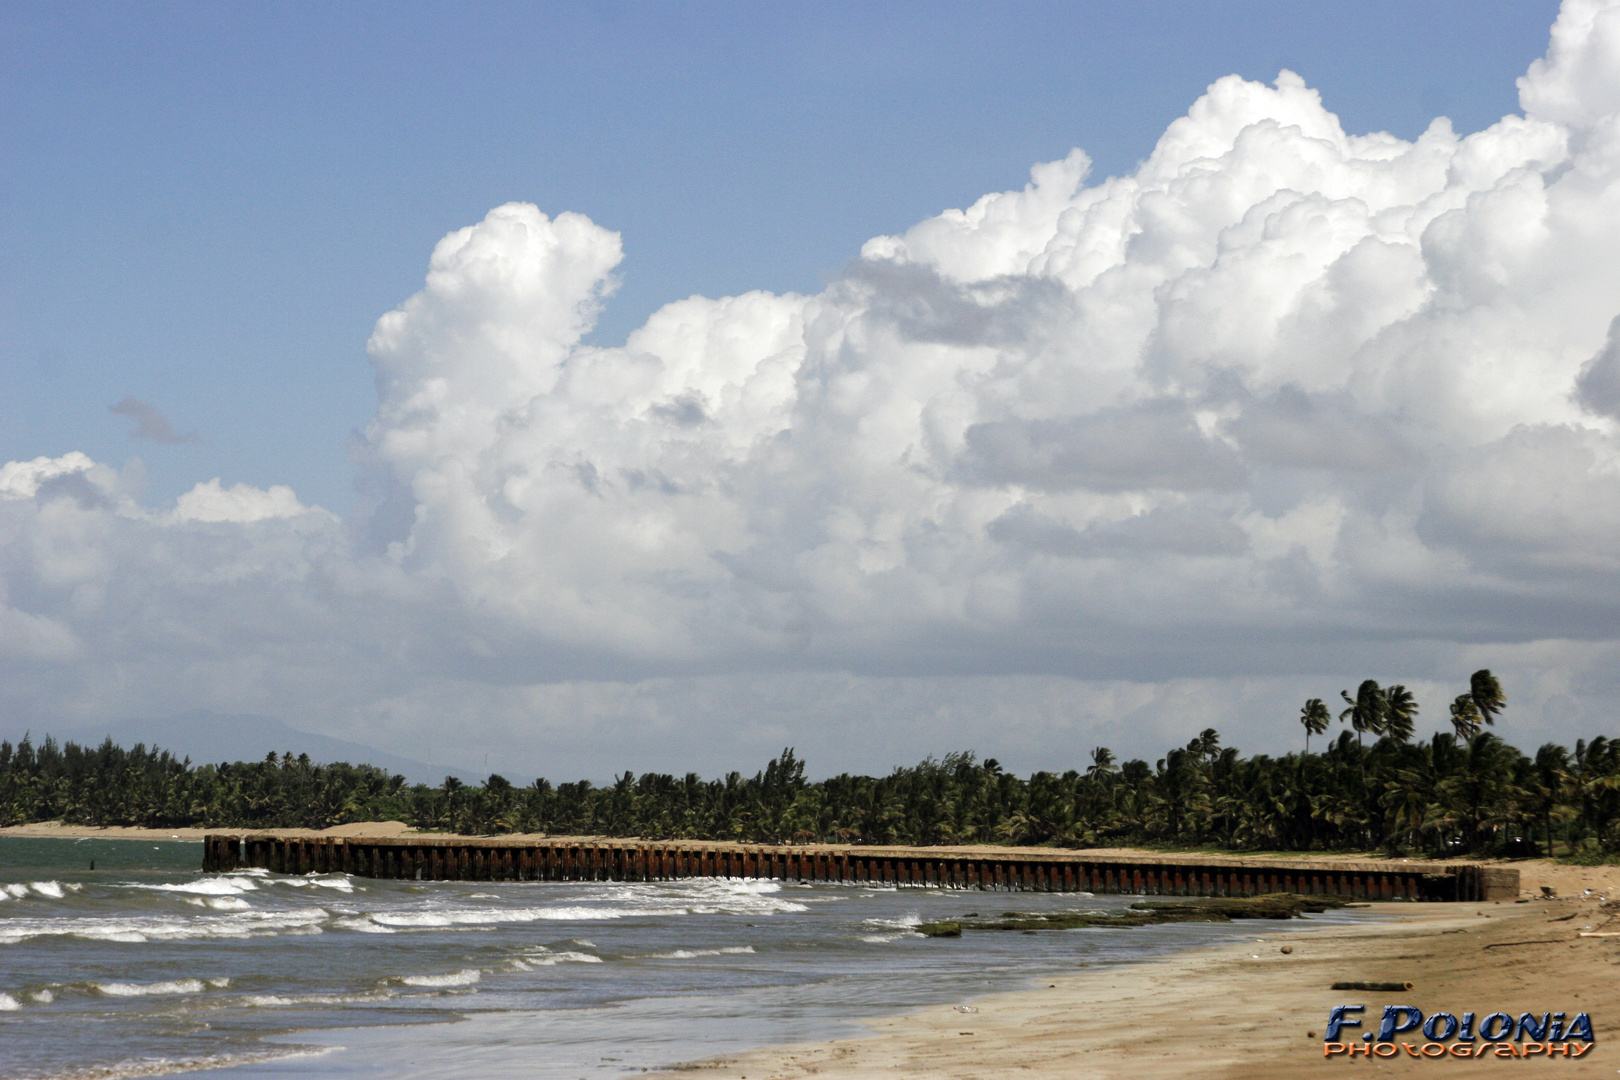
<point x="1247" y="1011"/>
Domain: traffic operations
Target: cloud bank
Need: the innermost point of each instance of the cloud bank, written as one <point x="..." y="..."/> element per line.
<point x="1284" y="404"/>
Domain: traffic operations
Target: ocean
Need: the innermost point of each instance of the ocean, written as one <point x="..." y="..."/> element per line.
<point x="145" y="966"/>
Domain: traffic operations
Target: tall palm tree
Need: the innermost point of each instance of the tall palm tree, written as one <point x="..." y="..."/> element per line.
<point x="1367" y="709"/>
<point x="1487" y="695"/>
<point x="1399" y="709"/>
<point x="1315" y="719"/>
<point x="1551" y="781"/>
<point x="1465" y="717"/>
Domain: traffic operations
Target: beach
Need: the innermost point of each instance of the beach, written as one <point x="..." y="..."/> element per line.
<point x="1247" y="1010"/>
<point x="1237" y="1008"/>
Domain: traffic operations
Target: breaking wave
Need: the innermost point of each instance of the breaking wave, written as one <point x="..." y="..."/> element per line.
<point x="689" y="954"/>
<point x="464" y="977"/>
<point x="167" y="928"/>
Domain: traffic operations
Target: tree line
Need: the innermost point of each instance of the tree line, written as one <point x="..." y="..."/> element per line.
<point x="1462" y="791"/>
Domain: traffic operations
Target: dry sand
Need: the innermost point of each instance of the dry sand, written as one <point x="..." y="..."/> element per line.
<point x="1246" y="1010"/>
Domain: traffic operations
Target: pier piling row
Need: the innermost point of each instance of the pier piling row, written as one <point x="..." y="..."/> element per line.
<point x="1043" y="870"/>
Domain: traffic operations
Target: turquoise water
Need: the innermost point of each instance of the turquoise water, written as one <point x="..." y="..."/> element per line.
<point x="145" y="966"/>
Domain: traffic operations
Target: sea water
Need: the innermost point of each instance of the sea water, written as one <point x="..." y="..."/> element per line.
<point x="145" y="966"/>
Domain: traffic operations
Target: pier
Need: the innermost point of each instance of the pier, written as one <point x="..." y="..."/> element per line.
<point x="445" y="858"/>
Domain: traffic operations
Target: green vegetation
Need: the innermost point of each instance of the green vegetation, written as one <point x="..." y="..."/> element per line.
<point x="1460" y="792"/>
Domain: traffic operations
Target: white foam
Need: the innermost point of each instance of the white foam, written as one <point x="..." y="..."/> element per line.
<point x="285" y="1000"/>
<point x="464" y="977"/>
<point x="219" y="903"/>
<point x="9" y="1003"/>
<point x="13" y="892"/>
<point x="44" y="997"/>
<point x="173" y="986"/>
<point x="688" y="954"/>
<point x="132" y="1069"/>
<point x="52" y="889"/>
<point x="210" y="886"/>
<point x="495" y="916"/>
<point x="219" y="983"/>
<point x="247" y="924"/>
<point x="364" y="925"/>
<point x="553" y="959"/>
<point x="337" y="881"/>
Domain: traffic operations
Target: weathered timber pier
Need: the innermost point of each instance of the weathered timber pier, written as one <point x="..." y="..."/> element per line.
<point x="440" y="858"/>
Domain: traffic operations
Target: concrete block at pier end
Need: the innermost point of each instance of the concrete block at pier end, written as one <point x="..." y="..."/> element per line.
<point x="1498" y="883"/>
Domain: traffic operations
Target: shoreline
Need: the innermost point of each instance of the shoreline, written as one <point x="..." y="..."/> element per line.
<point x="1242" y="1010"/>
<point x="1239" y="1009"/>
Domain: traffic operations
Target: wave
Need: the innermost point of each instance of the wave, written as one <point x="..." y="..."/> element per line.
<point x="891" y="929"/>
<point x="464" y="977"/>
<point x="9" y="1003"/>
<point x="248" y="924"/>
<point x="493" y="916"/>
<point x="363" y="924"/>
<point x="340" y="882"/>
<point x="230" y="885"/>
<point x="286" y="1000"/>
<point x="688" y="954"/>
<point x="551" y="959"/>
<point x="162" y="1066"/>
<point x="51" y="890"/>
<point x="238" y="882"/>
<point x="173" y="986"/>
<point x="44" y="997"/>
<point x="219" y="903"/>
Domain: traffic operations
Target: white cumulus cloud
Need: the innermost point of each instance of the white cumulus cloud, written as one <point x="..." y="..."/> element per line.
<point x="1286" y="402"/>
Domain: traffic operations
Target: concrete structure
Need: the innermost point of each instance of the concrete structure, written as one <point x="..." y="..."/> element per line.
<point x="441" y="858"/>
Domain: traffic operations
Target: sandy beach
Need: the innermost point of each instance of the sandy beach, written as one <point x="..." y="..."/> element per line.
<point x="1239" y="1010"/>
<point x="1247" y="1010"/>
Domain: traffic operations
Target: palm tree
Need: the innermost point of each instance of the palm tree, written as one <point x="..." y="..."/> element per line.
<point x="1465" y="717"/>
<point x="1487" y="695"/>
<point x="1367" y="709"/>
<point x="1552" y="780"/>
<point x="1399" y="709"/>
<point x="1315" y="719"/>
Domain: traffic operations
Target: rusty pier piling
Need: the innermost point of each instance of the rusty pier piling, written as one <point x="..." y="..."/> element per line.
<point x="444" y="858"/>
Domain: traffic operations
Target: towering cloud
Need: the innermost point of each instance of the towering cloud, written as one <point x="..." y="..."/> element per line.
<point x="1282" y="398"/>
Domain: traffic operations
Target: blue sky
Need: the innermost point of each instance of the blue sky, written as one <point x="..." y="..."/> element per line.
<point x="208" y="206"/>
<point x="902" y="433"/>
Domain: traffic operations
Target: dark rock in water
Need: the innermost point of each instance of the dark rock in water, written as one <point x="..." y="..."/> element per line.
<point x="940" y="929"/>
<point x="1147" y="913"/>
<point x="1269" y="906"/>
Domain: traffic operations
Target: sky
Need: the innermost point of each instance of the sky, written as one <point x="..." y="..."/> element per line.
<point x="609" y="386"/>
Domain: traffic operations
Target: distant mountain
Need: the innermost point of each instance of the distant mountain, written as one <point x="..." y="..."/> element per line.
<point x="210" y="738"/>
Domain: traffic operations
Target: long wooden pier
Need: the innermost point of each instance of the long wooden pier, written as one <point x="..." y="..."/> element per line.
<point x="439" y="858"/>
